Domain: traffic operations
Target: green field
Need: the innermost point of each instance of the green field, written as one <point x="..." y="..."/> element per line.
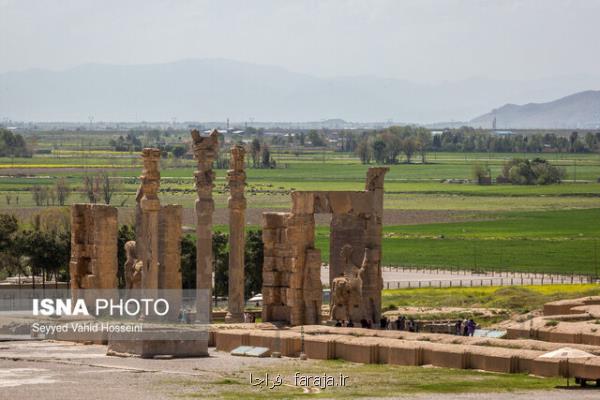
<point x="514" y="299"/>
<point x="550" y="241"/>
<point x="502" y="227"/>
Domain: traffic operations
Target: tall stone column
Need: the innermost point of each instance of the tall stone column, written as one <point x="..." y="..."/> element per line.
<point x="149" y="207"/>
<point x="236" y="179"/>
<point x="205" y="151"/>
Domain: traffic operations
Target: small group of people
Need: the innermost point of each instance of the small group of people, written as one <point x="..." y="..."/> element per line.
<point x="462" y="328"/>
<point x="249" y="317"/>
<point x="400" y="324"/>
<point x="344" y="324"/>
<point x="465" y="328"/>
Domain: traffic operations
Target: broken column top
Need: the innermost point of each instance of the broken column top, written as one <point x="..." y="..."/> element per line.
<point x="375" y="178"/>
<point x="204" y="144"/>
<point x="150" y="178"/>
<point x="237" y="157"/>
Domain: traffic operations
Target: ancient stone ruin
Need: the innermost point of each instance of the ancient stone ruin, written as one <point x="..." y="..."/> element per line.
<point x="292" y="289"/>
<point x="146" y="224"/>
<point x="291" y="269"/>
<point x="153" y="260"/>
<point x="205" y="152"/>
<point x="93" y="262"/>
<point x="236" y="179"/>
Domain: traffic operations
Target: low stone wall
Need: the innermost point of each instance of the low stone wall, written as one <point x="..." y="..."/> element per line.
<point x="519" y="343"/>
<point x="564" y="307"/>
<point x="557" y="335"/>
<point x="385" y="347"/>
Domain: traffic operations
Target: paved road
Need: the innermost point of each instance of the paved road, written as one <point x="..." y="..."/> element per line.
<point x="395" y="278"/>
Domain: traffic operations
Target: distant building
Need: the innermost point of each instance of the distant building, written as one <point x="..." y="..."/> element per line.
<point x="503" y="133"/>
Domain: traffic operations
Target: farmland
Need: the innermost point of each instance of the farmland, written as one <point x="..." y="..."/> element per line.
<point x="429" y="222"/>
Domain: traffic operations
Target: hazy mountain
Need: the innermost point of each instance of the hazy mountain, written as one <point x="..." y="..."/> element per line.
<point x="579" y="110"/>
<point x="216" y="89"/>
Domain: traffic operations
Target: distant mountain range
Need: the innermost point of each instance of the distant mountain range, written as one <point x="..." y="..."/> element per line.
<point x="217" y="89"/>
<point x="579" y="110"/>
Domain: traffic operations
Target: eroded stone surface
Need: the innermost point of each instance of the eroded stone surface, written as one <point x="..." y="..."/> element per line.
<point x="289" y="284"/>
<point x="205" y="151"/>
<point x="236" y="180"/>
<point x="93" y="262"/>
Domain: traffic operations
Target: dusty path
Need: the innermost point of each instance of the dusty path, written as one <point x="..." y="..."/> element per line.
<point x="59" y="370"/>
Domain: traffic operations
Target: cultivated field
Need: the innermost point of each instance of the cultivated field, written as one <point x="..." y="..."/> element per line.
<point x="429" y="222"/>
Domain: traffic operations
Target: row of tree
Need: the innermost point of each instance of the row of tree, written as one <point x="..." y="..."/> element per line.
<point x="40" y="250"/>
<point x="43" y="249"/>
<point x="389" y="145"/>
<point x="13" y="145"/>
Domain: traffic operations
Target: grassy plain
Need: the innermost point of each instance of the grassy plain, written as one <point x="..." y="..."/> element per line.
<point x="520" y="228"/>
<point x="566" y="241"/>
<point x="514" y="299"/>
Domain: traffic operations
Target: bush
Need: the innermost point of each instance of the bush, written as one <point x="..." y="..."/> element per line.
<point x="535" y="172"/>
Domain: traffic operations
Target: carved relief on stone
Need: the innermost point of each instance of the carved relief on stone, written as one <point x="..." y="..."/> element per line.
<point x="150" y="178"/>
<point x="133" y="267"/>
<point x="347" y="290"/>
<point x="205" y="151"/>
<point x="236" y="178"/>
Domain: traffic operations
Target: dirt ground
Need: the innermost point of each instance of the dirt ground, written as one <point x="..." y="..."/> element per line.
<point x="59" y="370"/>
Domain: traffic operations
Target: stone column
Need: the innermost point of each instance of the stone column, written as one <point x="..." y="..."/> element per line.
<point x="205" y="151"/>
<point x="236" y="179"/>
<point x="149" y="205"/>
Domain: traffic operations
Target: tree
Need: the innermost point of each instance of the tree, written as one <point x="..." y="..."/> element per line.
<point x="266" y="157"/>
<point x="423" y="143"/>
<point x="538" y="171"/>
<point x="62" y="190"/>
<point x="572" y="139"/>
<point x="179" y="151"/>
<point x="379" y="151"/>
<point x="39" y="194"/>
<point x="188" y="262"/>
<point x="108" y="186"/>
<point x="53" y="220"/>
<point x="8" y="227"/>
<point x="13" y="145"/>
<point x="316" y="139"/>
<point x="253" y="260"/>
<point x="91" y="188"/>
<point x="409" y="145"/>
<point x="255" y="151"/>
<point x="480" y="172"/>
<point x="363" y="151"/>
<point x="221" y="263"/>
<point x="47" y="252"/>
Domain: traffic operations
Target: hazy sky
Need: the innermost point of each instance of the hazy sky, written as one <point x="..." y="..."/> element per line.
<point x="416" y="40"/>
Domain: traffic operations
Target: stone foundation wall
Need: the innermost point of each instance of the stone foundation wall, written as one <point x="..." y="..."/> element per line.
<point x="93" y="262"/>
<point x="382" y="350"/>
<point x="291" y="269"/>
